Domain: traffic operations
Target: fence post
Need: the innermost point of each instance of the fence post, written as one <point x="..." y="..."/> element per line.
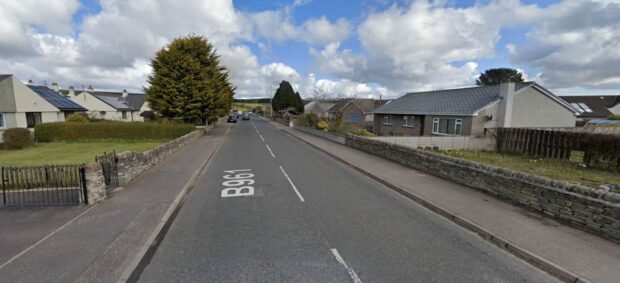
<point x="3" y="186"/>
<point x="84" y="185"/>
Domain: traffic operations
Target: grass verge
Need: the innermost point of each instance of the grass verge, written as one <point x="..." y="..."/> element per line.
<point x="70" y="152"/>
<point x="554" y="169"/>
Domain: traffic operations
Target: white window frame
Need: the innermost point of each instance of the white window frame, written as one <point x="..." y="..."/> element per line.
<point x="2" y="121"/>
<point x="458" y="127"/>
<point x="408" y="121"/>
<point x="387" y="120"/>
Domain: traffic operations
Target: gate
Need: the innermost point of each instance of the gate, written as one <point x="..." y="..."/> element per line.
<point x="46" y="185"/>
<point x="109" y="165"/>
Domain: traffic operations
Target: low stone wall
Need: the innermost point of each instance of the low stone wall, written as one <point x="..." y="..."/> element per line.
<point x="441" y="142"/>
<point x="132" y="164"/>
<point x="322" y="134"/>
<point x="594" y="210"/>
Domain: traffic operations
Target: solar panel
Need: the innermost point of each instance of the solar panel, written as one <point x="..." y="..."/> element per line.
<point x="56" y="99"/>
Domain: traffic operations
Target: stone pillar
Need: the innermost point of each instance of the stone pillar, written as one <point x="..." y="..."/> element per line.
<point x="95" y="184"/>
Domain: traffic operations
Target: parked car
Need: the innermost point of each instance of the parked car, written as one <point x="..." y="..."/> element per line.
<point x="246" y="116"/>
<point x="232" y="118"/>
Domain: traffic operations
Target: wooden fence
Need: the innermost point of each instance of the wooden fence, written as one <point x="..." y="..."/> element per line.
<point x="599" y="150"/>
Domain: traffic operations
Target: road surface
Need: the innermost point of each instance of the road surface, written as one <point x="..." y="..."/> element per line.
<point x="269" y="208"/>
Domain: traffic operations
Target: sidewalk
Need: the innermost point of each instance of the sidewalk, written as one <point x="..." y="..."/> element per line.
<point x="100" y="243"/>
<point x="585" y="255"/>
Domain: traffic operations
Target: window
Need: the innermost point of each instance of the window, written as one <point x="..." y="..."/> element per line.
<point x="447" y="126"/>
<point x="353" y="118"/>
<point x="581" y="107"/>
<point x="1" y="120"/>
<point x="387" y="120"/>
<point x="102" y="113"/>
<point x="33" y="118"/>
<point x="585" y="107"/>
<point x="124" y="113"/>
<point x="407" y="121"/>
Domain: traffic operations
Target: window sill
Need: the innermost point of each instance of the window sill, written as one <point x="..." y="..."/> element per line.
<point x="408" y="126"/>
<point x="387" y="124"/>
<point x="446" y="135"/>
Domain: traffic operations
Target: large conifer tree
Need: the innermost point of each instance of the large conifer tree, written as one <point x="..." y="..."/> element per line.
<point x="286" y="97"/>
<point x="188" y="82"/>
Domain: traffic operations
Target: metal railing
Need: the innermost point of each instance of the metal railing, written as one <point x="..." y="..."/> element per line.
<point x="46" y="185"/>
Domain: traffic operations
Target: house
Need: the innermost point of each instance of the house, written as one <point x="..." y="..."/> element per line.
<point x="24" y="106"/>
<point x="594" y="107"/>
<point x="357" y="113"/>
<point x="118" y="106"/>
<point x="472" y="111"/>
<point x="318" y="107"/>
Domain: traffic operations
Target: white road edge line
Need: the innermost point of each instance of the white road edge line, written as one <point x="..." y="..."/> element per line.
<point x="261" y="137"/>
<point x="46" y="237"/>
<point x="349" y="269"/>
<point x="292" y="185"/>
<point x="272" y="155"/>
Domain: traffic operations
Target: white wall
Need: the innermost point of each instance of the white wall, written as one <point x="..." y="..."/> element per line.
<point x="460" y="142"/>
<point x="532" y="108"/>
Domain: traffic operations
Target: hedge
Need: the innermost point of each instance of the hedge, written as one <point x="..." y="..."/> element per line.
<point x="67" y="131"/>
<point x="17" y="138"/>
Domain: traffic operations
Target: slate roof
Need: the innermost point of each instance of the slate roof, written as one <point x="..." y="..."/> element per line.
<point x="454" y="102"/>
<point x="133" y="101"/>
<point x="59" y="101"/>
<point x="2" y="77"/>
<point x="597" y="104"/>
<point x="367" y="105"/>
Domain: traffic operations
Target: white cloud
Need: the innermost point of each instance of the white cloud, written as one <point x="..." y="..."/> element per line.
<point x="577" y="43"/>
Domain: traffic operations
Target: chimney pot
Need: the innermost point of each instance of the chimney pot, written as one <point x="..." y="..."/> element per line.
<point x="125" y="93"/>
<point x="71" y="91"/>
<point x="90" y="88"/>
<point x="55" y="87"/>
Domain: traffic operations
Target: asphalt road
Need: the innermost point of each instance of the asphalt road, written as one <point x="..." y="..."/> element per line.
<point x="312" y="219"/>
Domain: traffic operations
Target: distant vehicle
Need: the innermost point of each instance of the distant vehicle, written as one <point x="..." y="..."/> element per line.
<point x="246" y="116"/>
<point x="232" y="118"/>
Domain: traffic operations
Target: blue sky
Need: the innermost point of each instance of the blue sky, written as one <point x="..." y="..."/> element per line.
<point x="343" y="48"/>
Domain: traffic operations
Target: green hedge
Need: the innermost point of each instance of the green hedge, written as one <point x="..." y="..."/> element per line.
<point x="67" y="131"/>
<point x="17" y="138"/>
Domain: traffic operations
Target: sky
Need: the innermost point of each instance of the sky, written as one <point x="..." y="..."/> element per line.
<point x="345" y="48"/>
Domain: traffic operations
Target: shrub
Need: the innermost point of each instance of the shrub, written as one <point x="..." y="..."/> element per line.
<point x="363" y="133"/>
<point x="613" y="117"/>
<point x="67" y="131"/>
<point x="17" y="138"/>
<point x="76" y="118"/>
<point x="322" y="125"/>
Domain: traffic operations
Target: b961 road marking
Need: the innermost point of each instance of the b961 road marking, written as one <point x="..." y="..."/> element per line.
<point x="238" y="184"/>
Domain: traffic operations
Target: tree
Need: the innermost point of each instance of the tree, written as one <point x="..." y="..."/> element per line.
<point x="498" y="76"/>
<point x="188" y="82"/>
<point x="285" y="98"/>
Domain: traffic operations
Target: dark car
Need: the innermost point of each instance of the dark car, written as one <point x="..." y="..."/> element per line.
<point x="232" y="118"/>
<point x="246" y="116"/>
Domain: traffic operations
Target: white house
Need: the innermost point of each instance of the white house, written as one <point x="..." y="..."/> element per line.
<point x="118" y="106"/>
<point x="24" y="106"/>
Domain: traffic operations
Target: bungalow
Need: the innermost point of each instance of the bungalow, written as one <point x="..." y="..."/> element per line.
<point x="119" y="106"/>
<point x="319" y="107"/>
<point x="472" y="111"/>
<point x="24" y="106"/>
<point x="594" y="107"/>
<point x="357" y="113"/>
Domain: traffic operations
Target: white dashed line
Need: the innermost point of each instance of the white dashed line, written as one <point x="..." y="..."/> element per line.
<point x="350" y="270"/>
<point x="292" y="185"/>
<point x="272" y="155"/>
<point x="261" y="137"/>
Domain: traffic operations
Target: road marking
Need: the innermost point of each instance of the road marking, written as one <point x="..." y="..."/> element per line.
<point x="261" y="137"/>
<point x="292" y="185"/>
<point x="46" y="237"/>
<point x="272" y="155"/>
<point x="350" y="270"/>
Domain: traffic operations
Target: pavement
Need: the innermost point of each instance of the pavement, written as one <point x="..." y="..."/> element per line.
<point x="96" y="243"/>
<point x="270" y="208"/>
<point x="585" y="255"/>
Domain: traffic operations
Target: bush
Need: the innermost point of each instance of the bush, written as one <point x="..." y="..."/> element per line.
<point x="363" y="133"/>
<point x="17" y="138"/>
<point x="322" y="125"/>
<point x="76" y="118"/>
<point x="613" y="117"/>
<point x="67" y="131"/>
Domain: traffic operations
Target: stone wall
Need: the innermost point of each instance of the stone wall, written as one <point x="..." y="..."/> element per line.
<point x="323" y="134"/>
<point x="132" y="164"/>
<point x="594" y="210"/>
<point x="95" y="183"/>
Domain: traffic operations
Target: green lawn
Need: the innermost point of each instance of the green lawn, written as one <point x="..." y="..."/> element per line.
<point x="71" y="152"/>
<point x="555" y="169"/>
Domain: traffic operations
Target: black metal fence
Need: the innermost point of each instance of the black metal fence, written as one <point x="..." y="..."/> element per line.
<point x="46" y="185"/>
<point x="109" y="165"/>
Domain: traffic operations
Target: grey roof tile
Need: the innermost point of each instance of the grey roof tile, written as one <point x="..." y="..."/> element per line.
<point x="459" y="101"/>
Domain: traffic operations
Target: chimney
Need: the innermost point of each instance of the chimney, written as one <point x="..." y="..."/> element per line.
<point x="506" y="92"/>
<point x="55" y="87"/>
<point x="125" y="93"/>
<point x="90" y="88"/>
<point x="71" y="91"/>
